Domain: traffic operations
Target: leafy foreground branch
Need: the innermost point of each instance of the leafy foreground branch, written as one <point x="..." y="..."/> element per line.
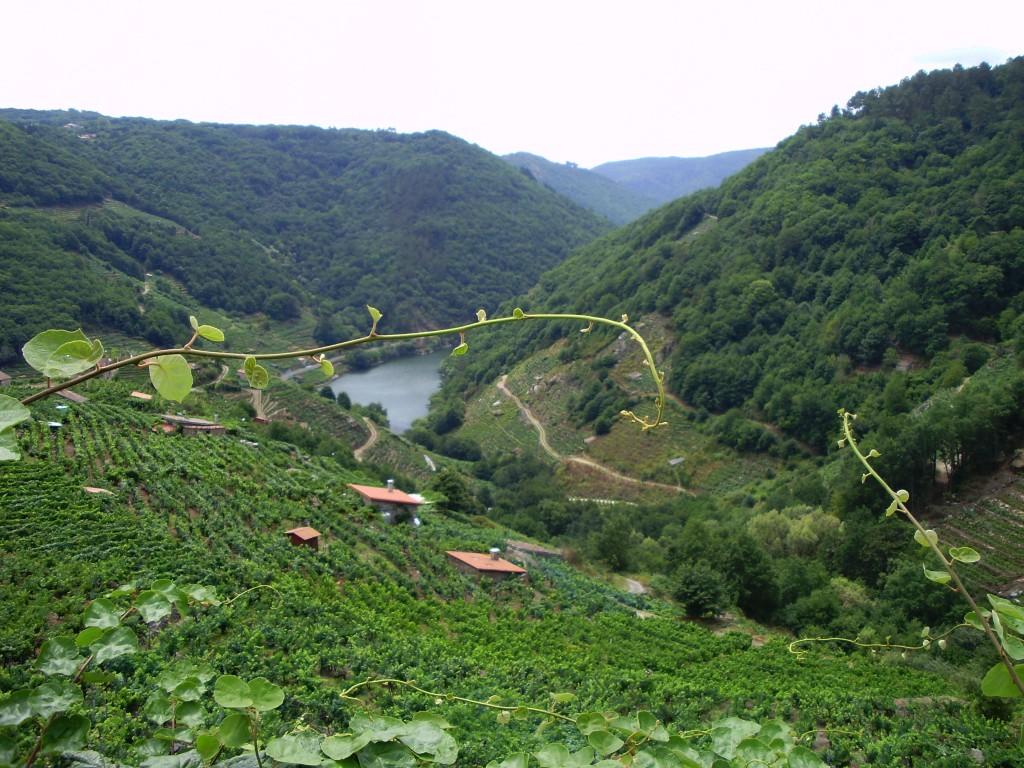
<point x="1003" y="625"/>
<point x="72" y="356"/>
<point x="51" y="719"/>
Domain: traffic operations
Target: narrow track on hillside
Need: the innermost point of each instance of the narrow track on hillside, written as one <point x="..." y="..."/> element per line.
<point x="359" y="452"/>
<point x="543" y="439"/>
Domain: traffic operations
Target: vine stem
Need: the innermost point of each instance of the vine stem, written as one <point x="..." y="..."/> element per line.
<point x="347" y="694"/>
<point x="986" y="626"/>
<point x="517" y="316"/>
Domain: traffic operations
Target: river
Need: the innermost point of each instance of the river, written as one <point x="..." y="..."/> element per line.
<point x="403" y="386"/>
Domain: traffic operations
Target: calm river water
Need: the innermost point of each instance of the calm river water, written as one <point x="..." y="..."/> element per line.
<point x="402" y="386"/>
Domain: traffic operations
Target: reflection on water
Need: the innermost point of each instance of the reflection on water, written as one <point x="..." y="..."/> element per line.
<point x="403" y="386"/>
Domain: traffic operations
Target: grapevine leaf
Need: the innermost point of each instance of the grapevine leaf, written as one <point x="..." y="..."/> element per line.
<point x="589" y="722"/>
<point x="1012" y="615"/>
<point x="752" y="750"/>
<point x="964" y="554"/>
<point x="927" y="538"/>
<point x="604" y="742"/>
<point x="326" y="367"/>
<point x="53" y="698"/>
<point x="552" y="755"/>
<point x="9" y="751"/>
<point x="59" y="656"/>
<point x="120" y="641"/>
<point x="340" y="747"/>
<point x="190" y="690"/>
<point x="265" y="695"/>
<point x="72" y="358"/>
<point x="15" y="709"/>
<point x="562" y="698"/>
<point x="101" y="613"/>
<point x="997" y="682"/>
<point x="152" y="606"/>
<point x="210" y="333"/>
<point x="207" y="745"/>
<point x="903" y="496"/>
<point x="518" y="314"/>
<point x="88" y="636"/>
<point x="9" y="445"/>
<point x="40" y="348"/>
<point x="387" y="754"/>
<point x="188" y="759"/>
<point x="646" y="721"/>
<point x="201" y="594"/>
<point x="255" y="373"/>
<point x="729" y="732"/>
<point x="158" y="708"/>
<point x="481" y="315"/>
<point x="296" y="750"/>
<point x="802" y="757"/>
<point x="374" y="313"/>
<point x="232" y="692"/>
<point x="462" y="349"/>
<point x="939" y="577"/>
<point x="171" y="376"/>
<point x="65" y="733"/>
<point x="193" y="322"/>
<point x="11" y="412"/>
<point x="235" y="729"/>
<point x="428" y="740"/>
<point x="892" y="509"/>
<point x="518" y="760"/>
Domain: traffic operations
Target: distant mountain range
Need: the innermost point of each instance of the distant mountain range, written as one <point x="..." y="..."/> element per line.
<point x="624" y="190"/>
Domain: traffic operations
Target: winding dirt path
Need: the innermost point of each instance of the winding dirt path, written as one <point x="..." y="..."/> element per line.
<point x="543" y="439"/>
<point x="362" y="449"/>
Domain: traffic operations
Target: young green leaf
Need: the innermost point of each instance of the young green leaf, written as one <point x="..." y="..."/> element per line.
<point x="462" y="349"/>
<point x="939" y="577"/>
<point x="232" y="692"/>
<point x="210" y="333"/>
<point x="964" y="554"/>
<point x="997" y="682"/>
<point x="481" y="315"/>
<point x="265" y="695"/>
<point x="255" y="373"/>
<point x="171" y="376"/>
<point x="235" y="729"/>
<point x="41" y="347"/>
<point x="518" y="314"/>
<point x="927" y="538"/>
<point x="604" y="742"/>
<point x="326" y="366"/>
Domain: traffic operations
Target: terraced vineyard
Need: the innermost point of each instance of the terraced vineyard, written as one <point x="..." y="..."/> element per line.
<point x="993" y="524"/>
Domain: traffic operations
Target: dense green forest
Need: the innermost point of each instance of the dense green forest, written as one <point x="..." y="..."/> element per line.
<point x="275" y="220"/>
<point x="869" y="262"/>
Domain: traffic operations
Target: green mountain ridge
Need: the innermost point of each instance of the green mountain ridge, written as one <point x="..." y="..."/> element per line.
<point x="425" y="227"/>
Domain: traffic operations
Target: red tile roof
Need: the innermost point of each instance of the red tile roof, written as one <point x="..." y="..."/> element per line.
<point x="392" y="495"/>
<point x="484" y="562"/>
<point x="305" y="533"/>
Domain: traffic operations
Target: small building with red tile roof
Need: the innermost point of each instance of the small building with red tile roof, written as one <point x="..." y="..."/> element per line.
<point x="392" y="503"/>
<point x="305" y="535"/>
<point x="480" y="564"/>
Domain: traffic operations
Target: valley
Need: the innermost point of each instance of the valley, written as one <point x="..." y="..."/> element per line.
<point x="158" y="594"/>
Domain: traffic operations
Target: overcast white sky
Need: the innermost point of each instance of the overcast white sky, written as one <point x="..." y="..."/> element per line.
<point x="587" y="81"/>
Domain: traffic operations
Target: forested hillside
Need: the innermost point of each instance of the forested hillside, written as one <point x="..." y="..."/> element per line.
<point x="593" y="191"/>
<point x="273" y="219"/>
